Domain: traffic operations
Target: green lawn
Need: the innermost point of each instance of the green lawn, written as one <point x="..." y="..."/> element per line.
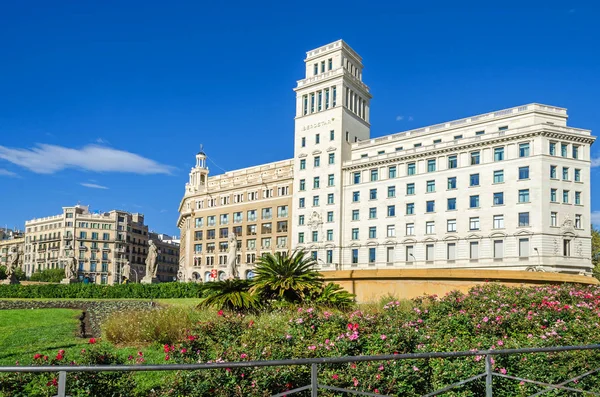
<point x="26" y="332"/>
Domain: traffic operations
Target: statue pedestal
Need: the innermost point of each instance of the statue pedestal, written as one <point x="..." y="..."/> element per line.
<point x="149" y="280"/>
<point x="68" y="281"/>
<point x="9" y="281"/>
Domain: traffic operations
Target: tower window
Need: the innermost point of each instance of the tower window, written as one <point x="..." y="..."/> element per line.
<point x="316" y="68"/>
<point x="330" y="63"/>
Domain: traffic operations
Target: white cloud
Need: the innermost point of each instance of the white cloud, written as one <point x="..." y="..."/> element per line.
<point x="410" y="118"/>
<point x="596" y="218"/>
<point x="4" y="172"/>
<point x="48" y="159"/>
<point x="93" y="185"/>
<point x="595" y="162"/>
<point x="399" y="118"/>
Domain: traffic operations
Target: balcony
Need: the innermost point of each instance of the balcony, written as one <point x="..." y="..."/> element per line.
<point x="82" y="248"/>
<point x="282" y="229"/>
<point x="106" y="249"/>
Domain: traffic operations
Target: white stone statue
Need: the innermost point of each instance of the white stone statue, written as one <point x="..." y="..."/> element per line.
<point x="151" y="267"/>
<point x="71" y="267"/>
<point x="13" y="262"/>
<point x="232" y="258"/>
<point x="126" y="271"/>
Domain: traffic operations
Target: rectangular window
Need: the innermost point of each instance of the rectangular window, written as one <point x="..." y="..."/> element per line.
<point x="523" y="173"/>
<point x="317" y="161"/>
<point x="330" y="198"/>
<point x="498" y="249"/>
<point x="391" y="191"/>
<point x="451" y="225"/>
<point x="303" y="164"/>
<point x="410" y="229"/>
<point x="356" y="178"/>
<point x="303" y="142"/>
<point x="390" y="255"/>
<point x="300" y="237"/>
<point x="372" y="213"/>
<point x="553" y="219"/>
<point x="552" y="149"/>
<point x="477" y="133"/>
<point x="392" y="172"/>
<point x="451" y="251"/>
<point x="429" y="252"/>
<point x="373" y="232"/>
<point x="301" y="219"/>
<point x="474" y="250"/>
<point x="318" y="136"/>
<point x="391" y="210"/>
<point x="452" y="183"/>
<point x="430" y="186"/>
<point x="302" y="185"/>
<point x="523" y="218"/>
<point x="315" y="201"/>
<point x="578" y="221"/>
<point x="410" y="257"/>
<point x="355" y="234"/>
<point x="355" y="197"/>
<point x="431" y="165"/>
<point x="503" y="128"/>
<point x="475" y="158"/>
<point x="452" y="161"/>
<point x="430" y="206"/>
<point x="553" y="172"/>
<point x="565" y="196"/>
<point x="355" y="215"/>
<point x="411" y="168"/>
<point x="563" y="149"/>
<point x="567" y="247"/>
<point x="523" y="247"/>
<point x="565" y="173"/>
<point x="374" y="175"/>
<point x="330" y="216"/>
<point x="499" y="198"/>
<point x="372" y="255"/>
<point x="524" y="150"/>
<point x="430" y="227"/>
<point x="373" y="194"/>
<point x="452" y="204"/>
<point x="553" y="195"/>
<point x="474" y="223"/>
<point x="354" y="255"/>
<point x="410" y="189"/>
<point x="315" y="236"/>
<point x="410" y="208"/>
<point x="578" y="198"/>
<point x="499" y="176"/>
<point x="577" y="175"/>
<point x="391" y="231"/>
<point x="474" y="201"/>
<point x="474" y="180"/>
<point x="524" y="196"/>
<point x="498" y="221"/>
<point x="499" y="154"/>
<point x="575" y="151"/>
<point x="330" y="180"/>
<point x="329" y="256"/>
<point x="301" y="202"/>
<point x="199" y="222"/>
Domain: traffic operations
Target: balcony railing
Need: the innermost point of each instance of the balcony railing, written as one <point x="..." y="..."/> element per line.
<point x="317" y="384"/>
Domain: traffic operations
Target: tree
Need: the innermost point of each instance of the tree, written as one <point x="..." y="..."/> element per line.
<point x="333" y="295"/>
<point x="19" y="273"/>
<point x="291" y="278"/>
<point x="229" y="294"/>
<point x="596" y="251"/>
<point x="48" y="275"/>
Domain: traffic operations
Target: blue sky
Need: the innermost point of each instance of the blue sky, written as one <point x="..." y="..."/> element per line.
<point x="106" y="103"/>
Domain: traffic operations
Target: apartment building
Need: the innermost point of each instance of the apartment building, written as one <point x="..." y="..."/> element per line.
<point x="101" y="242"/>
<point x="10" y="239"/>
<point x="168" y="256"/>
<point x="252" y="203"/>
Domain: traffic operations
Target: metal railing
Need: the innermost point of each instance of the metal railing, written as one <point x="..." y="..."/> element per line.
<point x="314" y="363"/>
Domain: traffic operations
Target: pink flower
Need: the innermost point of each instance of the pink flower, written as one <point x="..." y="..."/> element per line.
<point x="503" y="371"/>
<point x="244" y="355"/>
<point x="183" y="351"/>
<point x="485" y="319"/>
<point x="380" y="368"/>
<point x="167" y="358"/>
<point x="415" y="369"/>
<point x="383" y="337"/>
<point x="313" y="347"/>
<point x="355" y="382"/>
<point x="335" y="377"/>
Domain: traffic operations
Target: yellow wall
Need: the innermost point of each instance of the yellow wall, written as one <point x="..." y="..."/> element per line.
<point x="371" y="285"/>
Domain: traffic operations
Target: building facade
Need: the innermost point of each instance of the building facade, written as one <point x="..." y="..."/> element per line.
<point x="102" y="244"/>
<point x="168" y="256"/>
<point x="252" y="203"/>
<point x="506" y="190"/>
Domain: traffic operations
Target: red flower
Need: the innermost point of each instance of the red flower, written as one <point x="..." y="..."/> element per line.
<point x="92" y="341"/>
<point x="191" y="337"/>
<point x="53" y="382"/>
<point x="251" y="323"/>
<point x="167" y="358"/>
<point x="59" y="356"/>
<point x="220" y="312"/>
<point x="37" y="356"/>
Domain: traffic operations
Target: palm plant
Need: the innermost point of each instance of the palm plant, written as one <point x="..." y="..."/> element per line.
<point x="230" y="294"/>
<point x="292" y="278"/>
<point x="333" y="295"/>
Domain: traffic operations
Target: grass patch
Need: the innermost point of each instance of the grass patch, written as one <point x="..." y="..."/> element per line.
<point x="24" y="333"/>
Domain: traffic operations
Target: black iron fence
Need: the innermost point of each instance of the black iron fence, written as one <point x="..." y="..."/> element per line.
<point x="314" y="363"/>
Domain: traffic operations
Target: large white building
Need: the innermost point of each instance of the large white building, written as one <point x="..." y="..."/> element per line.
<point x="507" y="190"/>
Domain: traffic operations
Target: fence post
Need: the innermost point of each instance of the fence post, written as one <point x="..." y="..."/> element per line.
<point x="488" y="377"/>
<point x="314" y="383"/>
<point x="62" y="384"/>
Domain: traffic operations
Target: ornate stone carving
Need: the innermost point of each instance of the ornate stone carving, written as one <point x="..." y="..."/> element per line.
<point x="232" y="258"/>
<point x="556" y="247"/>
<point x="315" y="221"/>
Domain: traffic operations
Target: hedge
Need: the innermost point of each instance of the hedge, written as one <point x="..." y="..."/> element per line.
<point x="95" y="291"/>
